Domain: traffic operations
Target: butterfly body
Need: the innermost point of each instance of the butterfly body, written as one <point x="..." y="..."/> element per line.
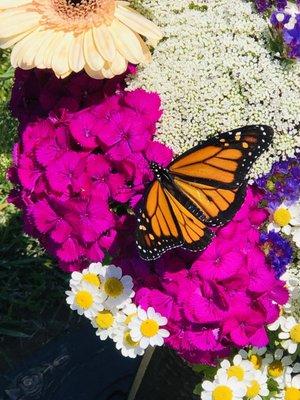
<point x="202" y="188"/>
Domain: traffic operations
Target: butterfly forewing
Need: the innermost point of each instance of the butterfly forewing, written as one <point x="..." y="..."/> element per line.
<point x="225" y="160"/>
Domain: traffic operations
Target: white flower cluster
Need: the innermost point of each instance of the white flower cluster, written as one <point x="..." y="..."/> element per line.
<point x="292" y="279"/>
<point x="250" y="376"/>
<point x="104" y="295"/>
<point x="214" y="72"/>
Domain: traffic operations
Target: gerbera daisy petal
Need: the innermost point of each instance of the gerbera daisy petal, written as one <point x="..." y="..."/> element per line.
<point x="5" y="43"/>
<point x="17" y="23"/>
<point x="60" y="57"/>
<point x="139" y="23"/>
<point x="104" y="43"/>
<point x="92" y="56"/>
<point x="119" y="64"/>
<point x="13" y="3"/>
<point x="76" y="55"/>
<point x="126" y="42"/>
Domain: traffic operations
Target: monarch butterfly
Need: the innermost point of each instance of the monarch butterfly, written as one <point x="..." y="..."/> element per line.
<point x="204" y="187"/>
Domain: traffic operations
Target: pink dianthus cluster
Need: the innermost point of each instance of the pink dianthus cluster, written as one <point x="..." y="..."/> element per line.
<point x="218" y="299"/>
<point x="76" y="173"/>
<point x="38" y="92"/>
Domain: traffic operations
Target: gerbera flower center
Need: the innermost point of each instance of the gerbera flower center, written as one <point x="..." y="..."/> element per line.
<point x="84" y="299"/>
<point x="275" y="369"/>
<point x="236" y="371"/>
<point x="129" y="318"/>
<point x="92" y="279"/>
<point x="295" y="333"/>
<point x="149" y="328"/>
<point x="128" y="340"/>
<point x="282" y="216"/>
<point x="292" y="393"/>
<point x="256" y="361"/>
<point x="222" y="393"/>
<point x="113" y="287"/>
<point x="253" y="390"/>
<point x="75" y="15"/>
<point x="104" y="319"/>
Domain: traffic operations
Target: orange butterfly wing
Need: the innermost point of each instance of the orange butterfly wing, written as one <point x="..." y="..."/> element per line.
<point x="165" y="223"/>
<point x="204" y="186"/>
<point x="225" y="160"/>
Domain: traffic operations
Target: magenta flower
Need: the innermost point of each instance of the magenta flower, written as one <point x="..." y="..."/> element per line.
<point x="221" y="298"/>
<point x="75" y="173"/>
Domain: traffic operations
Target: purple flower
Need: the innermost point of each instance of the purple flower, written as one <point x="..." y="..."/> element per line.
<point x="278" y="250"/>
<point x="282" y="183"/>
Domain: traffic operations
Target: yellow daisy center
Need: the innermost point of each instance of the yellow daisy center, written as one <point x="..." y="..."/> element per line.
<point x="282" y="216"/>
<point x="129" y="318"/>
<point x="113" y="287"/>
<point x="256" y="361"/>
<point x="292" y="393"/>
<point x="295" y="333"/>
<point x="104" y="319"/>
<point x="222" y="393"/>
<point x="253" y="390"/>
<point x="236" y="371"/>
<point x="275" y="369"/>
<point x="149" y="328"/>
<point x="84" y="299"/>
<point x="128" y="340"/>
<point x="92" y="279"/>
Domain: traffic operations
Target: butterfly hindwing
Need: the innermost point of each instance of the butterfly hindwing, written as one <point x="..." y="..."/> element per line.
<point x="225" y="160"/>
<point x="165" y="223"/>
<point x="217" y="205"/>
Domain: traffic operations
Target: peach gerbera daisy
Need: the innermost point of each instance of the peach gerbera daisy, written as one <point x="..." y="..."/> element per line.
<point x="101" y="36"/>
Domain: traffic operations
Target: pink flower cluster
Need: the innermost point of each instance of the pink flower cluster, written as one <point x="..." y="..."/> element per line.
<point x="218" y="299"/>
<point x="37" y="92"/>
<point x="76" y="174"/>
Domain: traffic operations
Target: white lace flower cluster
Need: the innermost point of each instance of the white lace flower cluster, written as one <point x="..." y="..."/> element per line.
<point x="292" y="279"/>
<point x="214" y="72"/>
<point x="104" y="295"/>
<point x="254" y="374"/>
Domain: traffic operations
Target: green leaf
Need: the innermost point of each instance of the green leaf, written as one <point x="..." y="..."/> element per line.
<point x="198" y="389"/>
<point x="13" y="333"/>
<point x="273" y="386"/>
<point x="7" y="74"/>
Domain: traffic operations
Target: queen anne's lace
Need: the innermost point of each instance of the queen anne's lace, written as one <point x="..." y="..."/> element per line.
<point x="214" y="71"/>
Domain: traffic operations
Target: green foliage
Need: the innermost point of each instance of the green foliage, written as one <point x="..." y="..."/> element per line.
<point x="32" y="299"/>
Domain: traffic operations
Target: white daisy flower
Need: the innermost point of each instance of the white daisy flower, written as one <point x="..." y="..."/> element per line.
<point x="145" y="327"/>
<point x="276" y="324"/>
<point x="290" y="335"/>
<point x="127" y="346"/>
<point x="255" y="356"/>
<point x="240" y="369"/>
<point x="292" y="388"/>
<point x="258" y="386"/>
<point x="116" y="288"/>
<point x="89" y="275"/>
<point x="286" y="218"/>
<point x="106" y="323"/>
<point x="128" y="313"/>
<point x="223" y="388"/>
<point x="277" y="366"/>
<point x="85" y="299"/>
